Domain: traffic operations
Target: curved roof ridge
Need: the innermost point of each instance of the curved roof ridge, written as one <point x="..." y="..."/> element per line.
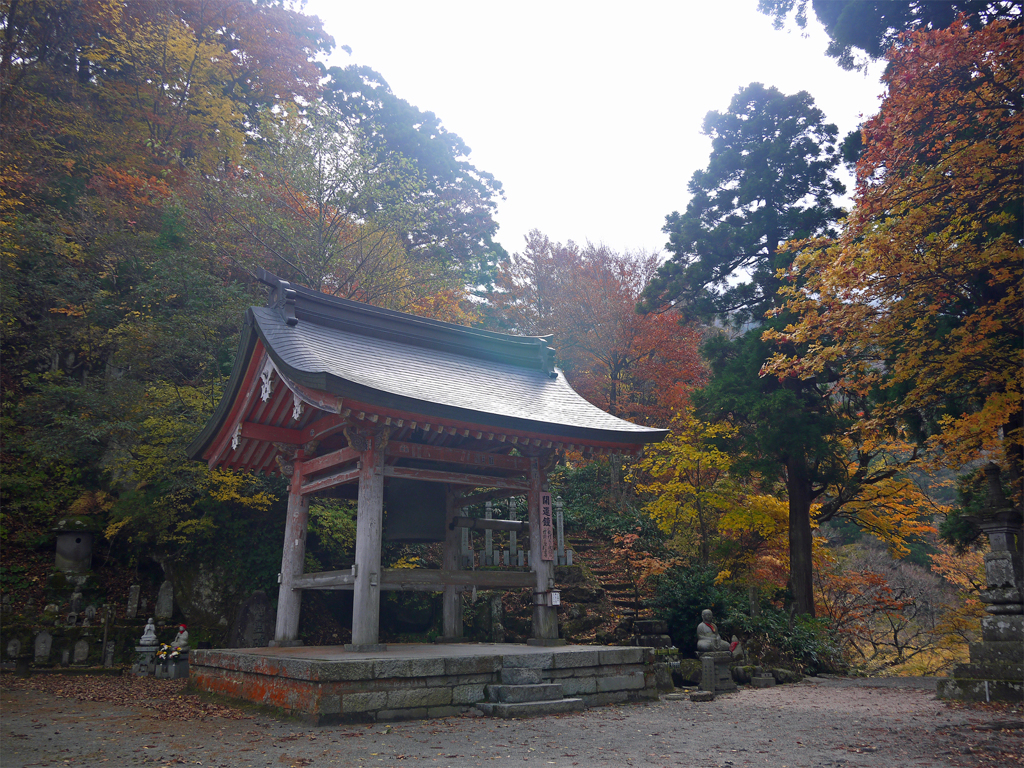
<point x="299" y="304"/>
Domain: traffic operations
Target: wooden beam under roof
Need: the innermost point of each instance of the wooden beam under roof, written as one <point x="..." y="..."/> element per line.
<point x="457" y="456"/>
<point x="331" y="481"/>
<point x="456" y="478"/>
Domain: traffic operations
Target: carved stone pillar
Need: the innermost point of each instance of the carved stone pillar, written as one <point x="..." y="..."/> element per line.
<point x="994" y="671"/>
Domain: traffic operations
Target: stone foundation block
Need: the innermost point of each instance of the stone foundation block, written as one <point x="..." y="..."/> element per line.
<point x="1004" y="652"/>
<point x="575" y="659"/>
<point x="384" y="668"/>
<point x="620" y="683"/>
<point x="520" y="676"/>
<point x="474" y="665"/>
<point x="419" y="697"/>
<point x="346" y="670"/>
<point x="330" y="704"/>
<point x="529" y="661"/>
<point x="418" y="713"/>
<point x="622" y="655"/>
<point x="352" y="703"/>
<point x="980" y="690"/>
<point x="578" y="686"/>
<point x="468" y="694"/>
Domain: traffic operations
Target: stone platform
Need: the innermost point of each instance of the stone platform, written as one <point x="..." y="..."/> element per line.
<point x="411" y="681"/>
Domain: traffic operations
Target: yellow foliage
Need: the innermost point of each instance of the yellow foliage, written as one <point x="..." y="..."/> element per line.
<point x="688" y="477"/>
<point x="115" y="527"/>
<point x="227" y="486"/>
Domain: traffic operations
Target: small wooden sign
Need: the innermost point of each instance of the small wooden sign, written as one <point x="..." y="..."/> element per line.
<point x="547" y="534"/>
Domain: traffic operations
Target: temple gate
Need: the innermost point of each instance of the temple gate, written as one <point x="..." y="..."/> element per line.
<point x="424" y="417"/>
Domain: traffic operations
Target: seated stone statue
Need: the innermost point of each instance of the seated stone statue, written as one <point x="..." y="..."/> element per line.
<point x="709" y="640"/>
<point x="149" y="634"/>
<point x="180" y="641"/>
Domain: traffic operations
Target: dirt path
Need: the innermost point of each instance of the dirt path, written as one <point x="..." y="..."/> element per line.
<point x="840" y="723"/>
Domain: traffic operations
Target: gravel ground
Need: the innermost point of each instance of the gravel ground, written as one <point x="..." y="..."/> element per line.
<point x="819" y="722"/>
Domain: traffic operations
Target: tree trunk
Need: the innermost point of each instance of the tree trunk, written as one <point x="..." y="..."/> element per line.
<point x="801" y="566"/>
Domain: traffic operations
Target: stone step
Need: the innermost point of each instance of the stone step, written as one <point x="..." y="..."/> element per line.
<point x="764" y="681"/>
<point x="519" y="694"/>
<point x="531" y="708"/>
<point x="621" y="586"/>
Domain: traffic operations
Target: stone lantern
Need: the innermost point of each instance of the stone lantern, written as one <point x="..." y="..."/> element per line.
<point x="995" y="668"/>
<point x="75" y="535"/>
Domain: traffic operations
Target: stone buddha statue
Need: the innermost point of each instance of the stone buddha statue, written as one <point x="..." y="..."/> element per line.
<point x="180" y="641"/>
<point x="149" y="634"/>
<point x="708" y="639"/>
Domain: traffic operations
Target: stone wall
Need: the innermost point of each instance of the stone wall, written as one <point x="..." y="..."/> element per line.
<point x="402" y="688"/>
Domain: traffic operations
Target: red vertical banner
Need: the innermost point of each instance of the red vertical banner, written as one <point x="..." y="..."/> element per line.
<point x="547" y="535"/>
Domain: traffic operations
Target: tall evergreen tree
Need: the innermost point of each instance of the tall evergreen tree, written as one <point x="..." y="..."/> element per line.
<point x="771" y="177"/>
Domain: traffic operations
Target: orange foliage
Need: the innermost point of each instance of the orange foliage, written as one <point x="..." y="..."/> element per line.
<point x="921" y="298"/>
<point x="638" y="367"/>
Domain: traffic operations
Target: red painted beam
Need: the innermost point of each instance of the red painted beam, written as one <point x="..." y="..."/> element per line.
<point x="329" y="460"/>
<point x="322" y="484"/>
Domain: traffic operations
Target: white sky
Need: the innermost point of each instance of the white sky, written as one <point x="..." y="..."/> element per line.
<point x="589" y="113"/>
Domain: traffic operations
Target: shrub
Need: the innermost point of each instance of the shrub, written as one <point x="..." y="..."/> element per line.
<point x="807" y="646"/>
<point x="682" y="592"/>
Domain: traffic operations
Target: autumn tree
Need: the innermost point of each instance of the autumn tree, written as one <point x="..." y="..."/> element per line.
<point x="919" y="300"/>
<point x="117" y="326"/>
<point x="861" y="31"/>
<point x="463" y="198"/>
<point x="635" y="366"/>
<point x="313" y="203"/>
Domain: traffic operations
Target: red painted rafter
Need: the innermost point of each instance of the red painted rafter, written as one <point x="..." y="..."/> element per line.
<point x="252" y="378"/>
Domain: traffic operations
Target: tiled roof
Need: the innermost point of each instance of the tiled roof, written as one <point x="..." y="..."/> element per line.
<point x="435" y="381"/>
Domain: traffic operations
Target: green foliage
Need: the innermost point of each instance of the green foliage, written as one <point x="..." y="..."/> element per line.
<point x="462" y="228"/>
<point x="771" y="177"/>
<point x="12" y="578"/>
<point x="971" y="500"/>
<point x="680" y="595"/>
<point x="860" y="31"/>
<point x="804" y="644"/>
<point x="592" y="503"/>
<point x="332" y="526"/>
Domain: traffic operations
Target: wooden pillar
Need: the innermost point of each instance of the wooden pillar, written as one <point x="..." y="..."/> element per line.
<point x="452" y="600"/>
<point x="289" y="600"/>
<point x="545" y="617"/>
<point x="369" y="520"/>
